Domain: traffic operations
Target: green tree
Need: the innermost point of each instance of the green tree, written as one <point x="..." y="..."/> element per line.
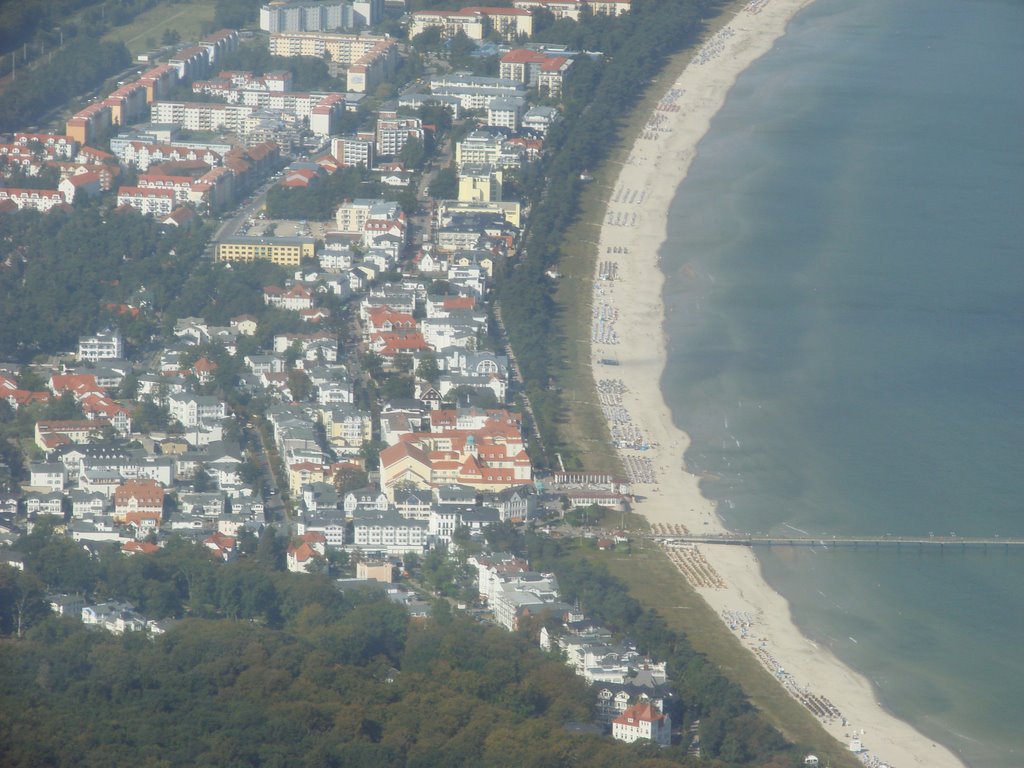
<point x="427" y="368"/>
<point x="412" y="154"/>
<point x="444" y="185"/>
<point x="201" y="481"/>
<point x="270" y="551"/>
<point x="299" y="385"/>
<point x="22" y="601"/>
<point x="347" y="480"/>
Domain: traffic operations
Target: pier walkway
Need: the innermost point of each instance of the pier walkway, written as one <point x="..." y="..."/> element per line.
<point x="941" y="543"/>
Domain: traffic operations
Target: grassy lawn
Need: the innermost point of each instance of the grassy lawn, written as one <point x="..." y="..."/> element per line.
<point x="654" y="581"/>
<point x="188" y="19"/>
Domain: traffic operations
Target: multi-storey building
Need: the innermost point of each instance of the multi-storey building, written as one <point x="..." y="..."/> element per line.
<point x="220" y="43"/>
<point x="511" y="23"/>
<point x="643" y="721"/>
<point x="471" y="23"/>
<point x="201" y="116"/>
<point x="394" y="131"/>
<point x="148" y="201"/>
<point x="347" y="428"/>
<point x="105" y="345"/>
<point x="479" y="182"/>
<point x="180" y="185"/>
<point x="571" y="9"/>
<point x="352" y="216"/>
<point x="88" y="123"/>
<point x="351" y="151"/>
<point x="286" y="251"/>
<point x="480" y="146"/>
<point x="37" y="199"/>
<point x="158" y="81"/>
<point x="313" y="16"/>
<point x="535" y="69"/>
<point x="475" y="22"/>
<point x="127" y="104"/>
<point x="610" y="7"/>
<point x="365" y="59"/>
<point x="192" y="410"/>
<point x="55" y="146"/>
<point x="560" y="9"/>
<point x="191" y="63"/>
<point x="142" y="154"/>
<point x="389" y="532"/>
<point x="475" y="92"/>
<point x="506" y="112"/>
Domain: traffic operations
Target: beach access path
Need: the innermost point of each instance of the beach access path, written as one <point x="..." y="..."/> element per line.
<point x="627" y="328"/>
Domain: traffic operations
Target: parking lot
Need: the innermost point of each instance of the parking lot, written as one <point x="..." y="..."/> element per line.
<point x="284" y="228"/>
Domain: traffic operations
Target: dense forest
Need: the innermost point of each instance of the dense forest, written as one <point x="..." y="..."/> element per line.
<point x="77" y="68"/>
<point x="22" y="20"/>
<point x="62" y="271"/>
<point x="69" y="273"/>
<point x="270" y="668"/>
<point x="320" y="202"/>
<point x="598" y="96"/>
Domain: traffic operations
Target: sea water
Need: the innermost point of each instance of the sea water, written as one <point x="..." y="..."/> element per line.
<point x="845" y="314"/>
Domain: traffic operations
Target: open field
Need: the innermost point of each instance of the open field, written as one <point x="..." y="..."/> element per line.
<point x="190" y="20"/>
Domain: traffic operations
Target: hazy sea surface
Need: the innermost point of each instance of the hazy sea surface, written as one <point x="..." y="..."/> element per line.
<point x="845" y="312"/>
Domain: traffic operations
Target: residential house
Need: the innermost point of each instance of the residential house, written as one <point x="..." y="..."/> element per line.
<point x="643" y="721"/>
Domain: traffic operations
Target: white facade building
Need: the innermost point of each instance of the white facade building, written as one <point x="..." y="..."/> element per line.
<point x="105" y="345"/>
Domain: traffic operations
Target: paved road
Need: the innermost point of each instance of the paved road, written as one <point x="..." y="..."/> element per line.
<point x="230" y="226"/>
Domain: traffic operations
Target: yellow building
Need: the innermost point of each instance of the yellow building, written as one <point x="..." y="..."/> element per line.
<point x="286" y="251"/>
<point x="302" y="473"/>
<point x="479" y="183"/>
<point x="510" y="209"/>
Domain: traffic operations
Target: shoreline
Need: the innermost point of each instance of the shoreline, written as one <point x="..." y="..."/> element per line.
<point x="628" y="329"/>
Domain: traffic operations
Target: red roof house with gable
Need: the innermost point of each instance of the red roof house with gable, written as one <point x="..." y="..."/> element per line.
<point x="643" y="721"/>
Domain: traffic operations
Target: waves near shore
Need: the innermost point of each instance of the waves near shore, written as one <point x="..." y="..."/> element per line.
<point x="628" y="316"/>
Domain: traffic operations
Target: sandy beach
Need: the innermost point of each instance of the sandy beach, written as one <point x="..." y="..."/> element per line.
<point x="627" y="328"/>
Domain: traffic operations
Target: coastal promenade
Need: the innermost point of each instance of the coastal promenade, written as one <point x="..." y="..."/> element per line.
<point x="941" y="543"/>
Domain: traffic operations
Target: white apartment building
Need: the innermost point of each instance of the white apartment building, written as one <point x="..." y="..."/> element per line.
<point x="390" y="532"/>
<point x="201" y="116"/>
<point x="506" y="112"/>
<point x="38" y="199"/>
<point x="351" y="151"/>
<point x="481" y="147"/>
<point x="190" y="410"/>
<point x="105" y="345"/>
<point x="475" y="22"/>
<point x="351" y="217"/>
<point x="148" y="201"/>
<point x="560" y="9"/>
<point x="313" y="16"/>
<point x="472" y="23"/>
<point x="366" y="59"/>
<point x="394" y="131"/>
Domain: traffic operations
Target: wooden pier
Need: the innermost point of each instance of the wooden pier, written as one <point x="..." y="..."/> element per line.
<point x="936" y="543"/>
